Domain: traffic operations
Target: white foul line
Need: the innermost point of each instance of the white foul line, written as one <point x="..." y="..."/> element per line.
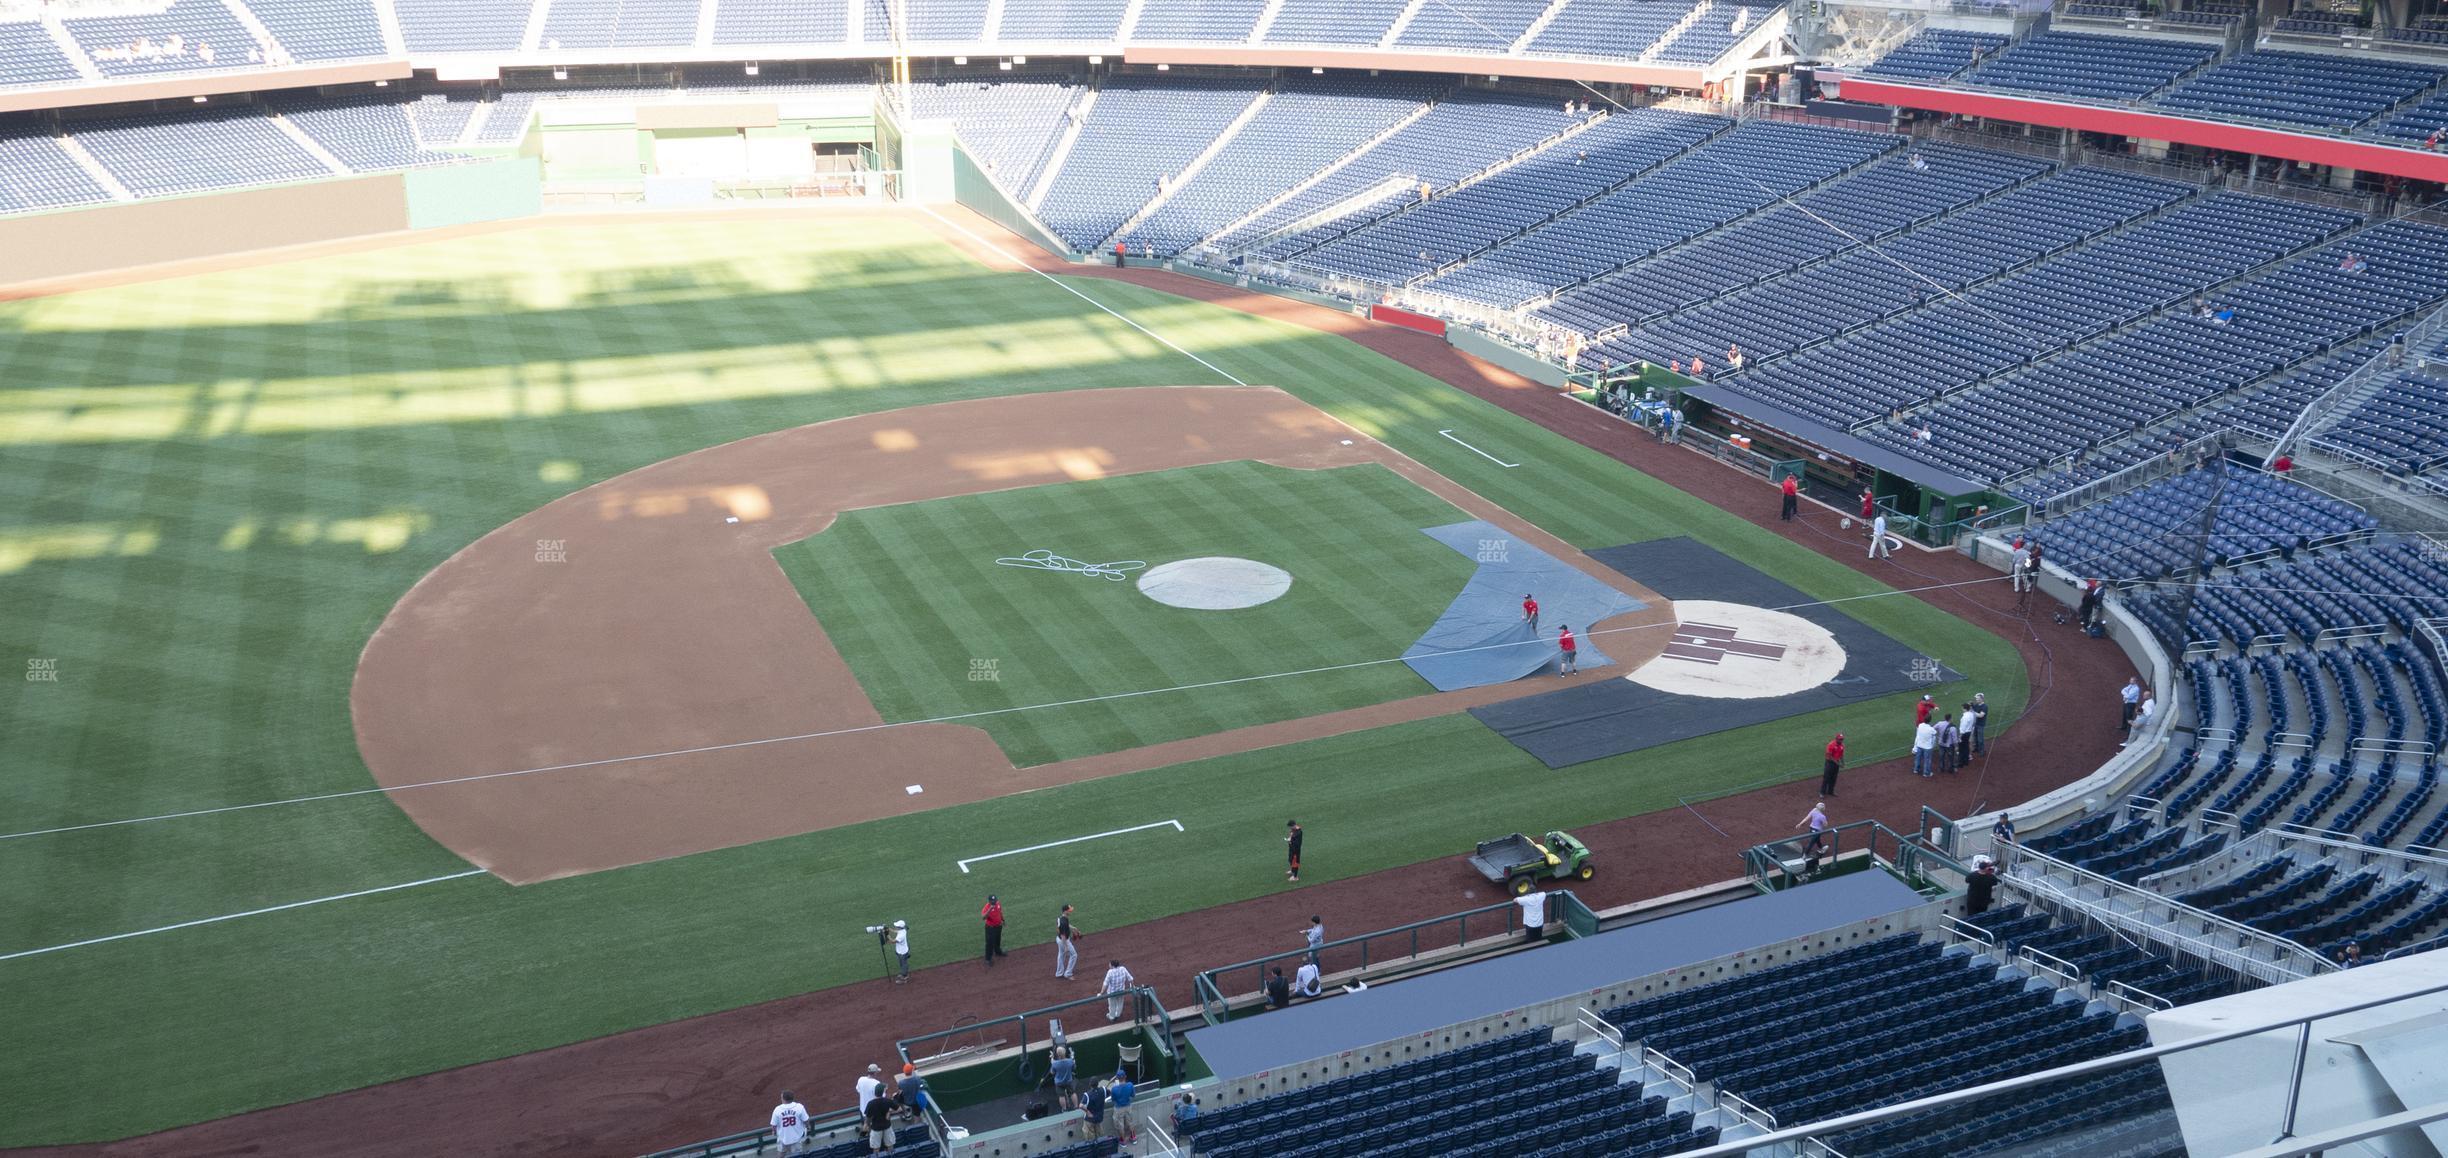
<point x="1074" y="292"/>
<point x="235" y="916"/>
<point x="1479" y="452"/>
<point x="964" y="865"/>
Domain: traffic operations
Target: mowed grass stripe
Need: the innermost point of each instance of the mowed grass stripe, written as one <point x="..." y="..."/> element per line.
<point x="1054" y="638"/>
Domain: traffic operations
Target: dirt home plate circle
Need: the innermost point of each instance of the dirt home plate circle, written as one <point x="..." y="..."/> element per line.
<point x="1730" y="651"/>
<point x="1214" y="583"/>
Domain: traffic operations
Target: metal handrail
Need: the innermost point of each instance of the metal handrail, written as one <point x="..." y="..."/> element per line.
<point x="2042" y="961"/>
<point x="1742" y="1108"/>
<point x="1212" y="981"/>
<point x="2405" y="861"/>
<point x="2145" y="472"/>
<point x="2137" y="995"/>
<point x="1599" y="1026"/>
<point x="2316" y="412"/>
<point x="2149" y="1054"/>
<point x="1148" y="1014"/>
<point x="751" y="1142"/>
<point x="2417" y="947"/>
<point x="2289" y="957"/>
<point x="1765" y="863"/>
<point x="1149" y="1125"/>
<point x="1962" y="930"/>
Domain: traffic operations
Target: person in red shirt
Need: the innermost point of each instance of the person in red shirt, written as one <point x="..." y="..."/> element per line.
<point x="1869" y="504"/>
<point x="1121" y="253"/>
<point x="1530" y="611"/>
<point x="1921" y="711"/>
<point x="2283" y="464"/>
<point x="1569" y="663"/>
<point x="993" y="913"/>
<point x="1793" y="499"/>
<point x="1835" y="764"/>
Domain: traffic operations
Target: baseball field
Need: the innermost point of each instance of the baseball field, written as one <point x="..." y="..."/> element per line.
<point x="454" y="648"/>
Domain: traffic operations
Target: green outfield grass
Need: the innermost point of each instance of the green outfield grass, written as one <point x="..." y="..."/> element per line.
<point x="913" y="599"/>
<point x="213" y="488"/>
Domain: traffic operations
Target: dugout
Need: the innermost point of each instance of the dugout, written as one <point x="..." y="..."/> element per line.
<point x="1933" y="505"/>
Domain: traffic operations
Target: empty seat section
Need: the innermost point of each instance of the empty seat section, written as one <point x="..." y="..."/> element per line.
<point x="1091" y="21"/>
<point x="1137" y="132"/>
<point x="1737" y="173"/>
<point x="1308" y="124"/>
<point x="1197" y="20"/>
<point x="1935" y="54"/>
<point x="1008" y="126"/>
<point x="1466" y="221"/>
<point x="2118" y="68"/>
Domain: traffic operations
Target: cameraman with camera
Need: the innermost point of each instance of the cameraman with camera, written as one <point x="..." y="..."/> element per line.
<point x="893" y="937"/>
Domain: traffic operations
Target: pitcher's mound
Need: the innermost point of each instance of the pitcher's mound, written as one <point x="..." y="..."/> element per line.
<point x="1214" y="583"/>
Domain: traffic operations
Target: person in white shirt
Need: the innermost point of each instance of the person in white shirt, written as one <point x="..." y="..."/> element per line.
<point x="1963" y="735"/>
<point x="870" y="1084"/>
<point x="1315" y="935"/>
<point x="1305" y="982"/>
<point x="1118" y="981"/>
<point x="1879" y="548"/>
<point x="790" y="1123"/>
<point x="2141" y="718"/>
<point x="1925" y="745"/>
<point x="1533" y="914"/>
<point x="901" y="949"/>
<point x="2019" y="571"/>
<point x="2131" y="698"/>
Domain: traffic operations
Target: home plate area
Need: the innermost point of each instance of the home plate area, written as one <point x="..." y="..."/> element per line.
<point x="1752" y="651"/>
<point x="1731" y="651"/>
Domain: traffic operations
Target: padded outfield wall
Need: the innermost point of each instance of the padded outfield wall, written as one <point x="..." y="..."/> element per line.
<point x="72" y="243"/>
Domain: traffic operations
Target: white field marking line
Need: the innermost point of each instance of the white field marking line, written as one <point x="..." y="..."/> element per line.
<point x="641" y="757"/>
<point x="235" y="916"/>
<point x="1074" y="292"/>
<point x="1475" y="450"/>
<point x="964" y="864"/>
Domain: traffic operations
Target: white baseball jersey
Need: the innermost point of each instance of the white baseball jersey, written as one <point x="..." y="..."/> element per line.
<point x="790" y="1122"/>
<point x="868" y="1088"/>
<point x="1117" y="979"/>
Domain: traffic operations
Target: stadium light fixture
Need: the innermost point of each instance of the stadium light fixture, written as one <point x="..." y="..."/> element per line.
<point x="1096" y="60"/>
<point x="382" y="84"/>
<point x="1164" y="68"/>
<point x="199" y="100"/>
<point x="752" y="68"/>
<point x="1005" y="65"/>
<point x="960" y="60"/>
<point x="1019" y="60"/>
<point x="560" y="74"/>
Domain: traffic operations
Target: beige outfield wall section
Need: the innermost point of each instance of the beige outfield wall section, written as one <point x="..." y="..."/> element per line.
<point x="77" y="242"/>
<point x="1541" y="68"/>
<point x="211" y="84"/>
